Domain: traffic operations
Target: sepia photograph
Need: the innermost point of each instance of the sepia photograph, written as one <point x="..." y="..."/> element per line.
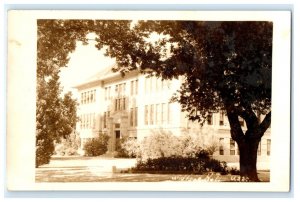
<point x="135" y="102"/>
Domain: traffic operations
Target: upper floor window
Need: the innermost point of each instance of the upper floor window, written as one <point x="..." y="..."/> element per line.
<point x="221" y="122"/>
<point x="146" y="115"/>
<point x="209" y="119"/>
<point x="107" y="93"/>
<point x="134" y="87"/>
<point x="88" y="97"/>
<point x="154" y="84"/>
<point x="120" y="90"/>
<point x="88" y="121"/>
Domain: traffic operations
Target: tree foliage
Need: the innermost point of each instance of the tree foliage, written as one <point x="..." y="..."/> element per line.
<point x="55" y="117"/>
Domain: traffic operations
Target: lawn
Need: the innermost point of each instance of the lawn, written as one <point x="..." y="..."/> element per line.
<point x="98" y="169"/>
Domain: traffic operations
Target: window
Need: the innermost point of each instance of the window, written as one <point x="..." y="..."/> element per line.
<point x="136" y="116"/>
<point x="209" y="119"/>
<point x="268" y="147"/>
<point x="134" y="87"/>
<point x="157" y="114"/>
<point x="124" y="104"/>
<point x="120" y="101"/>
<point x="84" y="98"/>
<point x="151" y="114"/>
<point x="104" y="120"/>
<point x="221" y="148"/>
<point x="131" y="88"/>
<point x="117" y="90"/>
<point x="92" y="96"/>
<point x="146" y="85"/>
<point x="170" y="117"/>
<point x="158" y="84"/>
<point x="259" y="149"/>
<point x="131" y="116"/>
<point x="88" y="96"/>
<point x="164" y="113"/>
<point x="221" y="118"/>
<point x="86" y="121"/>
<point x="232" y="147"/>
<point x="105" y="93"/>
<point x="146" y="114"/>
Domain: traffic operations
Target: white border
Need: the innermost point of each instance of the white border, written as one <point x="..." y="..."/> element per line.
<point x="21" y="101"/>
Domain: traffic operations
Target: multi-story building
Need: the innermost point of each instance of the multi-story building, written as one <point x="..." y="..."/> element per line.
<point x="135" y="105"/>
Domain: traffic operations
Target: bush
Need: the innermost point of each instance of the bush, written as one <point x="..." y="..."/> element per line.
<point x="171" y="165"/>
<point x="131" y="146"/>
<point x="159" y="144"/>
<point x="96" y="146"/>
<point x="216" y="166"/>
<point x="162" y="143"/>
<point x="190" y="144"/>
<point x="121" y="152"/>
<point x="126" y="147"/>
<point x="234" y="171"/>
<point x="190" y="165"/>
<point x="68" y="146"/>
<point x="44" y="151"/>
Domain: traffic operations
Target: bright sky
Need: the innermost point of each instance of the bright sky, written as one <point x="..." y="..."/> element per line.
<point x="84" y="62"/>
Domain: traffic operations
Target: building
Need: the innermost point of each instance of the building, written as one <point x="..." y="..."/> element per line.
<point x="134" y="105"/>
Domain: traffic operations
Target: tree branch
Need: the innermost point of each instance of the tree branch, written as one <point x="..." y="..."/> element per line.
<point x="236" y="131"/>
<point x="265" y="123"/>
<point x="250" y="117"/>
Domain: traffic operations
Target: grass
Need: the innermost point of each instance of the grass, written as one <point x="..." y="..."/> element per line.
<point x="97" y="169"/>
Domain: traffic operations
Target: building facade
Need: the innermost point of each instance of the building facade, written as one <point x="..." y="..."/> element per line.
<point x="135" y="105"/>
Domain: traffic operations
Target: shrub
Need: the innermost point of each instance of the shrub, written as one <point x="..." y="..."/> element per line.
<point x="68" y="146"/>
<point x="127" y="147"/>
<point x="159" y="144"/>
<point x="171" y="165"/>
<point x="44" y="151"/>
<point x="163" y="143"/>
<point x="216" y="166"/>
<point x="96" y="146"/>
<point x="121" y="152"/>
<point x="174" y="164"/>
<point x="190" y="144"/>
<point x="234" y="171"/>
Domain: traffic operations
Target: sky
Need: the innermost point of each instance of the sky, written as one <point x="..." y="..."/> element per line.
<point x="84" y="62"/>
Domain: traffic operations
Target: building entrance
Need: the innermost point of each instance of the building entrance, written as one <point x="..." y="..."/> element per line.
<point x="118" y="134"/>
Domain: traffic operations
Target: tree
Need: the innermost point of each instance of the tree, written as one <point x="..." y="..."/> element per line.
<point x="55" y="116"/>
<point x="225" y="65"/>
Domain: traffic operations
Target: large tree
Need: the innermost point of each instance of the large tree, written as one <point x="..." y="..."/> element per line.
<point x="225" y="65"/>
<point x="55" y="114"/>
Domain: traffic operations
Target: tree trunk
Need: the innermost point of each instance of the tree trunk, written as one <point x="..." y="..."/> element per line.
<point x="248" y="158"/>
